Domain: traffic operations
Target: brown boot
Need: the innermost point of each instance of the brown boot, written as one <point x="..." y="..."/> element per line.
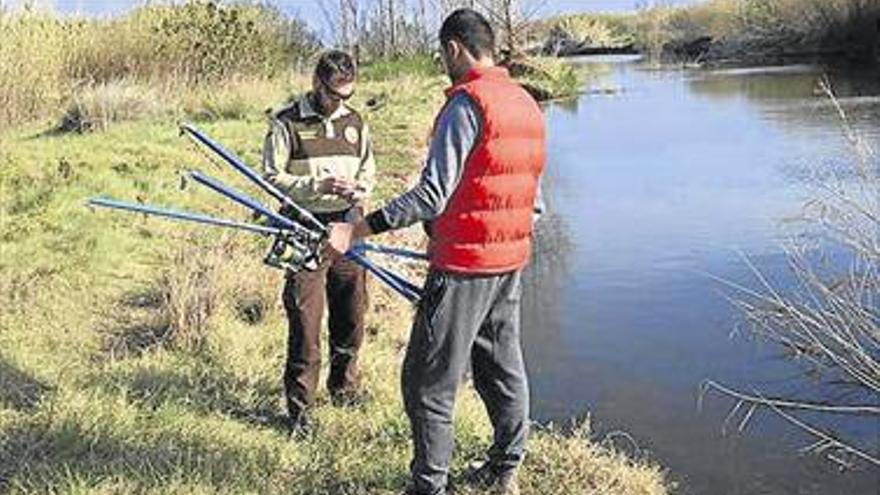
<point x="484" y="476"/>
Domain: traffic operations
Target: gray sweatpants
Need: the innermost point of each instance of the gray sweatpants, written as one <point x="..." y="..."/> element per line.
<point x="464" y="319"/>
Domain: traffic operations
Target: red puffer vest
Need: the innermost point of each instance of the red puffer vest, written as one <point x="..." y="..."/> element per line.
<point x="487" y="225"/>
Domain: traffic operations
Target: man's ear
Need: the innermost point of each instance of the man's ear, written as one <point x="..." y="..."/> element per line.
<point x="453" y="49"/>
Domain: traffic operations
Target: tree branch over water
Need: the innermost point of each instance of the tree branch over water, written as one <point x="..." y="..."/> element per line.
<point x="830" y="322"/>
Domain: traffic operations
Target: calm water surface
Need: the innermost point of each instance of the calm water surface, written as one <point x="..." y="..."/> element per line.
<point x="676" y="176"/>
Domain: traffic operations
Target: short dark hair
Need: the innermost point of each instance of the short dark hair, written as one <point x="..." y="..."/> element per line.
<point x="471" y="29"/>
<point x="335" y="63"/>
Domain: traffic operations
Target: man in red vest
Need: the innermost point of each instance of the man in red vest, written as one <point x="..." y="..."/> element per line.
<point x="477" y="195"/>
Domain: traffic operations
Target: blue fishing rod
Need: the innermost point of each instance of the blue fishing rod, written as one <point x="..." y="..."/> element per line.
<point x="184" y="216"/>
<point x="275" y="219"/>
<point x="400" y="285"/>
<point x="365" y="247"/>
<point x="288" y="252"/>
<point x="300" y="214"/>
<point x="299" y="239"/>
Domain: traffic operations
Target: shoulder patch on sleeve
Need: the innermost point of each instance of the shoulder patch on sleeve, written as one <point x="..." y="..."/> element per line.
<point x="288" y="110"/>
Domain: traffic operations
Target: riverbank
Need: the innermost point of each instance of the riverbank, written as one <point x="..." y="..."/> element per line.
<point x="143" y="356"/>
<point x="192" y="60"/>
<point x="724" y="32"/>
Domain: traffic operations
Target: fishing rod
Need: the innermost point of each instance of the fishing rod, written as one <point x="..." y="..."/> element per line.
<point x="364" y="247"/>
<point x="400" y="285"/>
<point x="299" y="213"/>
<point x="275" y="219"/>
<point x="300" y="238"/>
<point x="302" y="215"/>
<point x="184" y="215"/>
<point x="287" y="252"/>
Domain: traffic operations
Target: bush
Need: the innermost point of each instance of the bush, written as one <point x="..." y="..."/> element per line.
<point x="596" y="30"/>
<point x="752" y="28"/>
<point x="44" y="58"/>
<point x="547" y="78"/>
<point x="208" y="41"/>
<point x="30" y="62"/>
<point x="95" y="107"/>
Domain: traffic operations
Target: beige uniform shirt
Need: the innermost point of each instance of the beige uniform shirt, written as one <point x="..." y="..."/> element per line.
<point x="302" y="147"/>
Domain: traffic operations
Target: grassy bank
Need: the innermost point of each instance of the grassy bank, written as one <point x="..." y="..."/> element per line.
<point x="142" y="356"/>
<point x="764" y="30"/>
<point x="196" y="59"/>
<point x="584" y="34"/>
<point x="733" y="31"/>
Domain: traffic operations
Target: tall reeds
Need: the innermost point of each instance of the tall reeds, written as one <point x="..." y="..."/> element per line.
<point x="46" y="58"/>
<point x="752" y="28"/>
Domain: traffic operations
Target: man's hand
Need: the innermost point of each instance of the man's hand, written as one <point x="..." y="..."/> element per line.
<point x="344" y="188"/>
<point x="333" y="185"/>
<point x="356" y="193"/>
<point x="341" y="239"/>
<point x="344" y="235"/>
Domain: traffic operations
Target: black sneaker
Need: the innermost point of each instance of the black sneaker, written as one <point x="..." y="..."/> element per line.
<point x="411" y="490"/>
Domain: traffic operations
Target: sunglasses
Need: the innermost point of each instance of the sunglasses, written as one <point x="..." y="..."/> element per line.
<point x="332" y="92"/>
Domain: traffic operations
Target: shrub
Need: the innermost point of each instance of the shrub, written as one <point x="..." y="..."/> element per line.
<point x="30" y="59"/>
<point x="95" y="107"/>
<point x="598" y="31"/>
<point x="45" y="58"/>
<point x="756" y="27"/>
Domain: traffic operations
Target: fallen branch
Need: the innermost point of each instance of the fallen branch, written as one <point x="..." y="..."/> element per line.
<point x="825" y="441"/>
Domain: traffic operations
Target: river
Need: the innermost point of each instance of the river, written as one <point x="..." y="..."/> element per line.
<point x="653" y="189"/>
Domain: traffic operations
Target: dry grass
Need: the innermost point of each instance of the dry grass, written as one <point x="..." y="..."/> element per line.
<point x="45" y="58"/>
<point x="96" y="106"/>
<point x="750" y="29"/>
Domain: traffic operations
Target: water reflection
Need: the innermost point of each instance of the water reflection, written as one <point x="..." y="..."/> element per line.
<point x="675" y="177"/>
<point x="763" y="84"/>
<point x="544" y="281"/>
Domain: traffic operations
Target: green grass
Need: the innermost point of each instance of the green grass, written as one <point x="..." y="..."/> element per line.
<point x="127" y="361"/>
<point x="418" y="65"/>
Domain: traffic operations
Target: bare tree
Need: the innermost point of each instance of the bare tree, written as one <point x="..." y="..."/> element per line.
<point x="396" y="27"/>
<point x="392" y="20"/>
<point x="344" y="19"/>
<point x="513" y="21"/>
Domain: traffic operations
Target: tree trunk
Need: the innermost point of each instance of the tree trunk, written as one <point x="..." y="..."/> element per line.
<point x="391" y="27"/>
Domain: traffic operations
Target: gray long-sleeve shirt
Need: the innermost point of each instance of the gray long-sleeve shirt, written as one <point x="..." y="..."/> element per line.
<point x="457" y="132"/>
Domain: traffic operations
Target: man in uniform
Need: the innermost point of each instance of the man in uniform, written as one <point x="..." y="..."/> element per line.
<point x="318" y="151"/>
<point x="478" y="193"/>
